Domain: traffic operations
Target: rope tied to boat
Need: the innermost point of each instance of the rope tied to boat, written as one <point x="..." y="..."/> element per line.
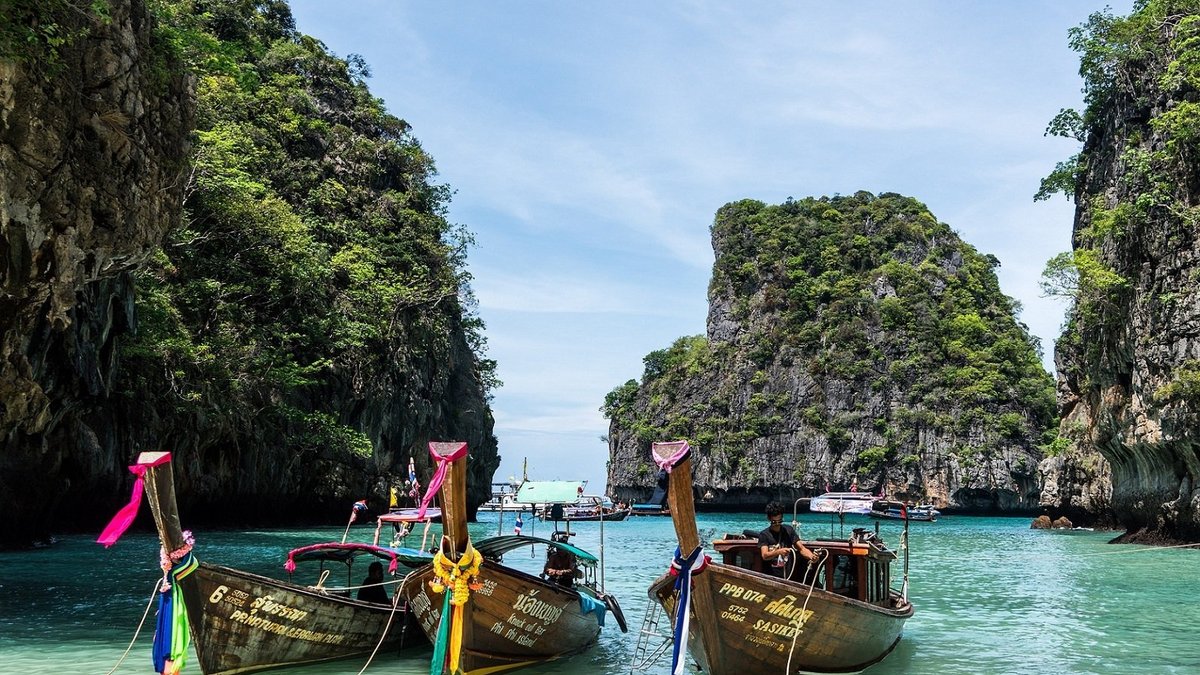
<point x="459" y="578"/>
<point x="802" y="619"/>
<point x="683" y="568"/>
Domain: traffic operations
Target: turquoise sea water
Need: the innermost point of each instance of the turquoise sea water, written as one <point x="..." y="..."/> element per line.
<point x="991" y="596"/>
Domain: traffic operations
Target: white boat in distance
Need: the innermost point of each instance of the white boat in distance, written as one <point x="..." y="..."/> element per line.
<point x="504" y="498"/>
<point x="842" y="502"/>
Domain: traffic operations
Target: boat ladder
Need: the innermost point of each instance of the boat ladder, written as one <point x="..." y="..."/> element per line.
<point x="652" y="642"/>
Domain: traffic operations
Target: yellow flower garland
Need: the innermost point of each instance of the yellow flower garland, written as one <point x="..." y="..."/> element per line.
<point x="461" y="577"/>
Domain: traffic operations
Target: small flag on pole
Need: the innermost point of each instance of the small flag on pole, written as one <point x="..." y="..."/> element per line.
<point x="359" y="507"/>
<point x="517" y="525"/>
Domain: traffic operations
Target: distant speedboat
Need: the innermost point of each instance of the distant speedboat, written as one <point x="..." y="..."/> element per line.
<point x="842" y="502"/>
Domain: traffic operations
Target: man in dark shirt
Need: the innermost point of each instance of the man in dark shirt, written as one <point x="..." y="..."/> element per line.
<point x="777" y="542"/>
<point x="560" y="563"/>
<point x="372" y="589"/>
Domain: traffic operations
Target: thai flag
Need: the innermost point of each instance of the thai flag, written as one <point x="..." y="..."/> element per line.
<point x="359" y="507"/>
<point x="517" y="525"/>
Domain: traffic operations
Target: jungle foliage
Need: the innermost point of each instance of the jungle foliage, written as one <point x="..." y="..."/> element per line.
<point x="315" y="252"/>
<point x="1144" y="68"/>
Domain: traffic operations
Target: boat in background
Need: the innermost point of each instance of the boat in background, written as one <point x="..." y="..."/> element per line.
<point x="894" y="510"/>
<point x="504" y="498"/>
<point x="734" y="618"/>
<point x="504" y="495"/>
<point x="242" y="622"/>
<point x="649" y="510"/>
<point x="486" y="617"/>
<point x="842" y="502"/>
<point x="584" y="508"/>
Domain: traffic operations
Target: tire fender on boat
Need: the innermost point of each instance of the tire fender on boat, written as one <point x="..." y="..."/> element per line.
<point x="610" y="602"/>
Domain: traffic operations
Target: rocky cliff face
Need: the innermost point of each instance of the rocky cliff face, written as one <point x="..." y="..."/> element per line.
<point x="1129" y="372"/>
<point x="92" y="146"/>
<point x="850" y="339"/>
<point x="95" y="173"/>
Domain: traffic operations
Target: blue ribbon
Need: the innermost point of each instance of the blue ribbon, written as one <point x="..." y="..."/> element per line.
<point x="162" y="631"/>
<point x="683" y="605"/>
<point x="171" y="629"/>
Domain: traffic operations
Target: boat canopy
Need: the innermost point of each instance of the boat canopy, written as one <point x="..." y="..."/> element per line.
<point x="409" y="515"/>
<point x="550" y="491"/>
<point x="496" y="546"/>
<point x="338" y="552"/>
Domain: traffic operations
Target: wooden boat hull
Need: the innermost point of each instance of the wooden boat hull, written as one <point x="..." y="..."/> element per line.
<point x="755" y="619"/>
<point x="243" y="622"/>
<point x="515" y="620"/>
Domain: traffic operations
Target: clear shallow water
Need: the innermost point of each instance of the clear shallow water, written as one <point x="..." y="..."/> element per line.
<point x="991" y="596"/>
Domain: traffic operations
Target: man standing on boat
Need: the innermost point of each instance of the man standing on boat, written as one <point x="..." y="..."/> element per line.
<point x="776" y="543"/>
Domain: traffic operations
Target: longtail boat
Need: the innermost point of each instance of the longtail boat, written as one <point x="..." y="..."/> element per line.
<point x="242" y="622"/>
<point x="485" y="617"/>
<point x="734" y="618"/>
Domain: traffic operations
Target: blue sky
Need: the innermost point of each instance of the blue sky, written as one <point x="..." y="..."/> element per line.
<point x="589" y="145"/>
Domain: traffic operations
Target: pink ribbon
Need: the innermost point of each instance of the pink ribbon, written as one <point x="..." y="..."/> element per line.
<point x="444" y="454"/>
<point x="669" y="453"/>
<point x="128" y="513"/>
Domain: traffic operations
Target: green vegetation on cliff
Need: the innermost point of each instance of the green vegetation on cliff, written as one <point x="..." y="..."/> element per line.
<point x="859" y="322"/>
<point x="1128" y="372"/>
<point x="315" y="270"/>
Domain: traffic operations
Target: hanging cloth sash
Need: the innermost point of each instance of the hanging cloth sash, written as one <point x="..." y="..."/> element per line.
<point x="125" y="517"/>
<point x="171" y="631"/>
<point x="456" y="580"/>
<point x="444" y="454"/>
<point x="669" y="453"/>
<point x="683" y="569"/>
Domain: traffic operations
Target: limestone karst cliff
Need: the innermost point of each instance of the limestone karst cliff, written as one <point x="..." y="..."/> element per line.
<point x="93" y="142"/>
<point x="849" y="338"/>
<point x="1129" y="358"/>
<point x="216" y="242"/>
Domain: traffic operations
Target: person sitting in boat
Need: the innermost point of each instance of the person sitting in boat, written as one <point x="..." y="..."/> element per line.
<point x="561" y="564"/>
<point x="777" y="542"/>
<point x="372" y="589"/>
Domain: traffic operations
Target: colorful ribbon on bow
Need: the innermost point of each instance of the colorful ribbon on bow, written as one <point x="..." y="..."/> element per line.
<point x="171" y="631"/>
<point x="125" y="517"/>
<point x="459" y="578"/>
<point x="683" y="569"/>
<point x="669" y="453"/>
<point x="444" y="454"/>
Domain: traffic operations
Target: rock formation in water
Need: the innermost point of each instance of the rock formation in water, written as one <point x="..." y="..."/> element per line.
<point x="1129" y="359"/>
<point x="293" y="339"/>
<point x="850" y="339"/>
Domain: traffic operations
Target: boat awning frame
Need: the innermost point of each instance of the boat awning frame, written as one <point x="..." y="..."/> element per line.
<point x="345" y="553"/>
<point x="497" y="546"/>
<point x="550" y="491"/>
